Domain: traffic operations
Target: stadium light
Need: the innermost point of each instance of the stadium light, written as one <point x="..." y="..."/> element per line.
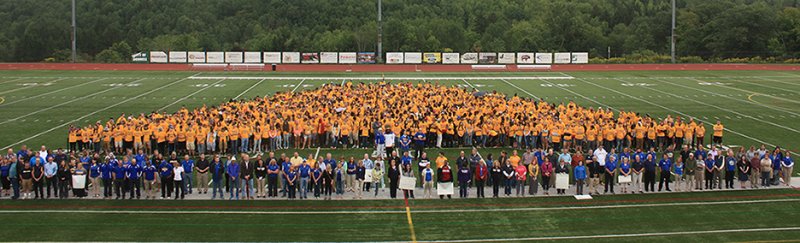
<point x="672" y="42"/>
<point x="380" y="35"/>
<point x="74" y="27"/>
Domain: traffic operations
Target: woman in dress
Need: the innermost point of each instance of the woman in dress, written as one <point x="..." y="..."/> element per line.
<point x="743" y="167"/>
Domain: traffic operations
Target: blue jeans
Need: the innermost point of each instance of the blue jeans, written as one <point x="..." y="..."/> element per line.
<point x="339" y="187"/>
<point x="15" y="187"/>
<point x="216" y="186"/>
<point x="234" y="187"/>
<point x="303" y="187"/>
<point x="245" y="144"/>
<point x="509" y="185"/>
<point x="246" y="187"/>
<point x="187" y="181"/>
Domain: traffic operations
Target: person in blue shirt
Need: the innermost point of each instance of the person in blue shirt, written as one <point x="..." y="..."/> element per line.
<point x="625" y="170"/>
<point x="165" y="175"/>
<point x="305" y="173"/>
<point x="710" y="168"/>
<point x="419" y="143"/>
<point x="678" y="170"/>
<point x="316" y="177"/>
<point x="777" y="158"/>
<point x="610" y="172"/>
<point x="273" y="170"/>
<point x="119" y="178"/>
<point x="188" y="169"/>
<point x="149" y="172"/>
<point x="50" y="169"/>
<point x="94" y="176"/>
<point x="380" y="142"/>
<point x="730" y="169"/>
<point x="291" y="178"/>
<point x="217" y="170"/>
<point x="665" y="165"/>
<point x="285" y="167"/>
<point x="132" y="175"/>
<point x="106" y="169"/>
<point x="580" y="178"/>
<point x="787" y="164"/>
<point x="405" y="143"/>
<point x="649" y="174"/>
<point x="233" y="176"/>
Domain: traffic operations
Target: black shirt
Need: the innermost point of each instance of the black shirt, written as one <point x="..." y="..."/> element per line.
<point x="261" y="171"/>
<point x="202" y="165"/>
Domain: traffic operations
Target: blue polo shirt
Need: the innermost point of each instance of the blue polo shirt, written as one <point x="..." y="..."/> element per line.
<point x="678" y="169"/>
<point x="286" y="166"/>
<point x="273" y="168"/>
<point x="133" y="171"/>
<point x="187" y="165"/>
<point x="119" y="172"/>
<point x="304" y="169"/>
<point x="330" y="162"/>
<point x="406" y="160"/>
<point x="709" y="163"/>
<point x="611" y="165"/>
<point x="150" y="172"/>
<point x="665" y="164"/>
<point x="730" y="164"/>
<point x="165" y="168"/>
<point x="787" y="161"/>
<point x="625" y="167"/>
<point x="95" y="171"/>
<point x="419" y="135"/>
<point x="291" y="175"/>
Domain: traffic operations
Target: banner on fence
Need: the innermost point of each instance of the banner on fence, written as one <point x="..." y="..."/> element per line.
<point x="562" y="57"/>
<point x="450" y="58"/>
<point x="348" y="57"/>
<point x="215" y="57"/>
<point x="196" y="57"/>
<point x="309" y="57"/>
<point x="580" y="57"/>
<point x="394" y="57"/>
<point x="158" y="57"/>
<point x="366" y="57"/>
<point x="413" y="58"/>
<point x="177" y="57"/>
<point x="252" y="57"/>
<point x="544" y="58"/>
<point x="140" y="57"/>
<point x="432" y="57"/>
<point x="525" y="58"/>
<point x="272" y="57"/>
<point x="506" y="58"/>
<point x="469" y="58"/>
<point x="291" y="57"/>
<point x="487" y="57"/>
<point x="328" y="57"/>
<point x="234" y="57"/>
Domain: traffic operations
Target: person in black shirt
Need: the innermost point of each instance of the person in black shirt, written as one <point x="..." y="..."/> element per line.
<point x="261" y="176"/>
<point x="327" y="182"/>
<point x="497" y="176"/>
<point x="64" y="176"/>
<point x="649" y="174"/>
<point x="394" y="178"/>
<point x="202" y="174"/>
<point x="26" y="174"/>
<point x="38" y="179"/>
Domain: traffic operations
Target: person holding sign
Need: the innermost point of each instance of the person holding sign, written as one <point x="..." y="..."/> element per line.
<point x="562" y="180"/>
<point x="409" y="173"/>
<point x="445" y="179"/>
<point x="624" y="174"/>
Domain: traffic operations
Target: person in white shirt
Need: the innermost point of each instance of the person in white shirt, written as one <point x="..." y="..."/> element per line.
<point x="389" y="138"/>
<point x="177" y="171"/>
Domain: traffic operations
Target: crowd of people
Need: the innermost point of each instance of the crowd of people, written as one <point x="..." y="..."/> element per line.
<point x="232" y="147"/>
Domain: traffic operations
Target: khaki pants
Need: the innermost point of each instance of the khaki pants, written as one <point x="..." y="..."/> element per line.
<point x="428" y="189"/>
<point x="359" y="188"/>
<point x="678" y="183"/>
<point x="202" y="179"/>
<point x="149" y="188"/>
<point x="27" y="185"/>
<point x="755" y="178"/>
<point x="351" y="183"/>
<point x="636" y="180"/>
<point x="690" y="182"/>
<point x="787" y="175"/>
<point x="594" y="185"/>
<point x="95" y="185"/>
<point x="699" y="177"/>
<point x="260" y="187"/>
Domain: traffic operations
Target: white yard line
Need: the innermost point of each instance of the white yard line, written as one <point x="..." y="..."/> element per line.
<point x="298" y="85"/>
<point x="51" y="92"/>
<point x="725" y="96"/>
<point x="64" y="103"/>
<point x="470" y="85"/>
<point x="12" y="80"/>
<point x="778" y="81"/>
<point x="31" y="86"/>
<point x="722" y="109"/>
<point x="438" y="211"/>
<point x="582" y="96"/>
<point x="761" y="85"/>
<point x="190" y="95"/>
<point x="95" y="112"/>
<point x="678" y="112"/>
<point x="759" y="93"/>
<point x="524" y="91"/>
<point x="248" y="89"/>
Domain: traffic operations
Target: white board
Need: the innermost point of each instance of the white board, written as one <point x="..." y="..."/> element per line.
<point x="624" y="179"/>
<point x="544" y="58"/>
<point x="580" y="57"/>
<point x="347" y="57"/>
<point x="525" y="58"/>
<point x="562" y="181"/>
<point x="450" y="58"/>
<point x="234" y="57"/>
<point x="252" y="57"/>
<point x="79" y="182"/>
<point x="562" y="57"/>
<point x="328" y="57"/>
<point x="368" y="175"/>
<point x="158" y="57"/>
<point x="197" y="57"/>
<point x="291" y="57"/>
<point x="413" y="57"/>
<point x="444" y="188"/>
<point x="469" y="58"/>
<point x="407" y="182"/>
<point x="394" y="57"/>
<point x="272" y="57"/>
<point x="177" y="57"/>
<point x="506" y="58"/>
<point x="215" y="57"/>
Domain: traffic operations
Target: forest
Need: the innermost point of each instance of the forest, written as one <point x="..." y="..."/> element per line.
<point x="111" y="30"/>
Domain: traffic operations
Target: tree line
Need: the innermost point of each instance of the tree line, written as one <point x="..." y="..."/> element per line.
<point x="111" y="30"/>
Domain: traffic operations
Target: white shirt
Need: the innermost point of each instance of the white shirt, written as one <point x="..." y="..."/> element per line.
<point x="178" y="171"/>
<point x="43" y="155"/>
<point x="601" y="156"/>
<point x="389" y="139"/>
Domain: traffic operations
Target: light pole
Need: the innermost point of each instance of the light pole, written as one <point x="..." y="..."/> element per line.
<point x="379" y="54"/>
<point x="672" y="42"/>
<point x="74" y="27"/>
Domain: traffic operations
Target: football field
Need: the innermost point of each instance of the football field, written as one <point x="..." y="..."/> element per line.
<point x="756" y="107"/>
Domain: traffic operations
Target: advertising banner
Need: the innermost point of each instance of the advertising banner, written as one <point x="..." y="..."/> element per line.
<point x="328" y="57"/>
<point x="413" y="58"/>
<point x="140" y="57"/>
<point x="469" y="58"/>
<point x="450" y="58"/>
<point x="197" y="57"/>
<point x="291" y="57"/>
<point x="272" y="57"/>
<point x="348" y="57"/>
<point x="562" y="57"/>
<point x="432" y="57"/>
<point x="506" y="58"/>
<point x="394" y="57"/>
<point x="366" y="57"/>
<point x="252" y="57"/>
<point x="487" y="58"/>
<point x="234" y="57"/>
<point x="544" y="58"/>
<point x="580" y="57"/>
<point x="177" y="57"/>
<point x="309" y="57"/>
<point x="158" y="57"/>
<point x="215" y="57"/>
<point x="525" y="58"/>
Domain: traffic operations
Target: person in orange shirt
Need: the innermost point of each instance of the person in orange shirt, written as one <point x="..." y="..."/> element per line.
<point x="72" y="138"/>
<point x="191" y="145"/>
<point x="514" y="159"/>
<point x="700" y="135"/>
<point x="161" y="140"/>
<point x="651" y="136"/>
<point x="137" y="139"/>
<point x="172" y="138"/>
<point x="717" y="136"/>
<point x="223" y="140"/>
<point x="441" y="160"/>
<point x="119" y="133"/>
<point x="639" y="133"/>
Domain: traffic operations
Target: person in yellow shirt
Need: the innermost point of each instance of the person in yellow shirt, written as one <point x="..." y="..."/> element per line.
<point x="191" y="145"/>
<point x="441" y="160"/>
<point x="700" y="135"/>
<point x="717" y="136"/>
<point x="514" y="159"/>
<point x="651" y="136"/>
<point x="223" y="140"/>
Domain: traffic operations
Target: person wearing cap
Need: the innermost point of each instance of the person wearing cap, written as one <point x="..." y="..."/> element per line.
<point x="233" y="177"/>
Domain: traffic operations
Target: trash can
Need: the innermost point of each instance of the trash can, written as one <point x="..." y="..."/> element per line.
<point x="274" y="67"/>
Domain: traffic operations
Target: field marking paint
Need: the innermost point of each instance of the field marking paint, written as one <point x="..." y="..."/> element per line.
<point x="579" y="237"/>
<point x="29" y="86"/>
<point x="725" y="109"/>
<point x="190" y="95"/>
<point x="64" y="103"/>
<point x="524" y="91"/>
<point x="95" y="112"/>
<point x="381" y="78"/>
<point x="298" y="85"/>
<point x="523" y="209"/>
<point x="248" y="89"/>
<point x="761" y="85"/>
<point x="748" y="91"/>
<point x="410" y="222"/>
<point x="54" y="91"/>
<point x="470" y="85"/>
<point x="778" y="81"/>
<point x="715" y="93"/>
<point x="587" y="98"/>
<point x="678" y="112"/>
<point x="2" y="99"/>
<point x="12" y="80"/>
